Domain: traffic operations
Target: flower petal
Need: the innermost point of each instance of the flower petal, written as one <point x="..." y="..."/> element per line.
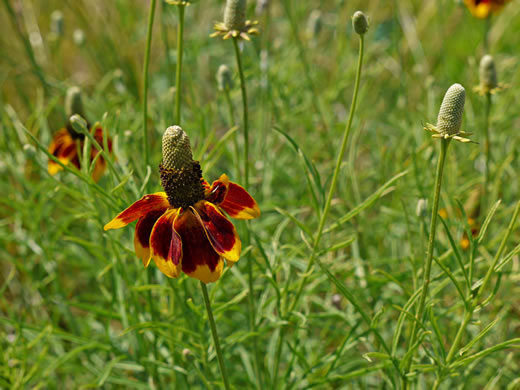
<point x="239" y="204"/>
<point x="63" y="147"/>
<point x="199" y="259"/>
<point x="143" y="206"/>
<point x="220" y="231"/>
<point x="166" y="245"/>
<point x="143" y="229"/>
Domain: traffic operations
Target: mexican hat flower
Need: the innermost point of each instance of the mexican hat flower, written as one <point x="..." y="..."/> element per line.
<point x="482" y="9"/>
<point x="235" y="24"/>
<point x="66" y="142"/>
<point x="184" y="229"/>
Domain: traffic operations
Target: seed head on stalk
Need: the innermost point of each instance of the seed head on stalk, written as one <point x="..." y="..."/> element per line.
<point x="449" y="119"/>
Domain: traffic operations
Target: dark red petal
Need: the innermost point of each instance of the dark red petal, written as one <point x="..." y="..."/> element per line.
<point x="165" y="245"/>
<point x="220" y="231"/>
<point x="218" y="190"/>
<point x="143" y="229"/>
<point x="199" y="259"/>
<point x="239" y="204"/>
<point x="143" y="206"/>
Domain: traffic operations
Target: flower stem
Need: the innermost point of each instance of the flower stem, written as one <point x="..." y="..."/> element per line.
<point x="151" y="15"/>
<point x="245" y="112"/>
<point x="178" y="69"/>
<point x="487" y="146"/>
<point x="332" y="187"/>
<point x="251" y="302"/>
<point x="215" y="335"/>
<point x="429" y="254"/>
<point x="231" y="124"/>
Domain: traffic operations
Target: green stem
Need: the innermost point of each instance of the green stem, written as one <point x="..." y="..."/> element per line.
<point x="487" y="27"/>
<point x="429" y="254"/>
<point x="245" y="112"/>
<point x="251" y="302"/>
<point x="151" y="15"/>
<point x="334" y="178"/>
<point x="215" y="335"/>
<point x="487" y="146"/>
<point x="178" y="70"/>
<point x="231" y="124"/>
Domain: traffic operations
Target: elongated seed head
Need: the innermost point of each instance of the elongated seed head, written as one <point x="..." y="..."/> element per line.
<point x="488" y="72"/>
<point x="74" y="102"/>
<point x="452" y="107"/>
<point x="224" y="79"/>
<point x="176" y="149"/>
<point x="360" y="22"/>
<point x="235" y="14"/>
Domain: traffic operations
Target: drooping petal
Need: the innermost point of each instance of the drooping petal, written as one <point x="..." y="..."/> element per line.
<point x="143" y="229"/>
<point x="165" y="244"/>
<point x="220" y="231"/>
<point x="143" y="206"/>
<point x="233" y="199"/>
<point x="199" y="259"/>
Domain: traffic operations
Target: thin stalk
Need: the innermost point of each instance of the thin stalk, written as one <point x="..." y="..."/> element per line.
<point x="487" y="27"/>
<point x="251" y="302"/>
<point x="215" y="335"/>
<point x="245" y="112"/>
<point x="487" y="144"/>
<point x="231" y="124"/>
<point x="151" y="15"/>
<point x="178" y="69"/>
<point x="429" y="254"/>
<point x="332" y="187"/>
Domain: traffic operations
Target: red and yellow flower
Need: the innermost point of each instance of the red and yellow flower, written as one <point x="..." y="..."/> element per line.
<point x="482" y="9"/>
<point x="65" y="145"/>
<point x="184" y="228"/>
<point x="66" y="142"/>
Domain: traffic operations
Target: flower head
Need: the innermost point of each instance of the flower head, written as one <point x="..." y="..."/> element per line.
<point x="488" y="77"/>
<point x="66" y="142"/>
<point x="235" y="24"/>
<point x="184" y="228"/>
<point x="224" y="79"/>
<point x="360" y="22"/>
<point x="482" y="9"/>
<point x="449" y="119"/>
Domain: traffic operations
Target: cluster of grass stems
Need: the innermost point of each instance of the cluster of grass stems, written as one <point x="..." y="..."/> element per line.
<point x="340" y="285"/>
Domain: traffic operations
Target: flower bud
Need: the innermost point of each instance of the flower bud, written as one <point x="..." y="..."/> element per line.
<point x="360" y="22"/>
<point x="421" y="210"/>
<point x="73" y="102"/>
<point x="57" y="23"/>
<point x="235" y="14"/>
<point x="224" y="80"/>
<point x="314" y="23"/>
<point x="176" y="148"/>
<point x="488" y="72"/>
<point x="79" y="37"/>
<point x="78" y="124"/>
<point x="452" y="107"/>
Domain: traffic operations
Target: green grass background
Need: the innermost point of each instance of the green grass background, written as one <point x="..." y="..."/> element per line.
<point x="77" y="309"/>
